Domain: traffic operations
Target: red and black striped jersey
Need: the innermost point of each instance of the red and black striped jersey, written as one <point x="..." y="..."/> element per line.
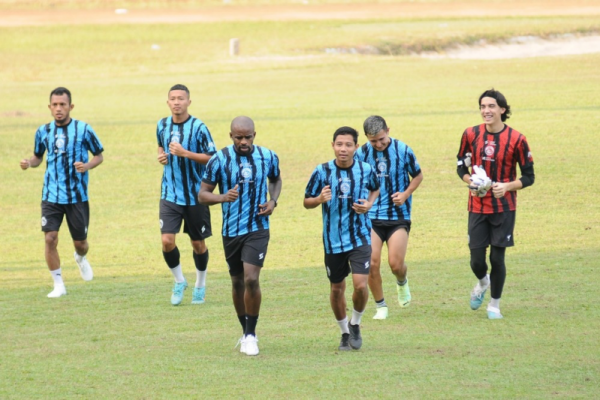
<point x="498" y="153"/>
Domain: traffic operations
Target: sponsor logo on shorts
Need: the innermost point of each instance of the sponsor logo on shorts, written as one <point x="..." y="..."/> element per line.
<point x="86" y="230"/>
<point x="367" y="265"/>
<point x="508" y="238"/>
<point x="261" y="256"/>
<point x="328" y="270"/>
<point x="44" y="221"/>
<point x="161" y="223"/>
<point x="203" y="228"/>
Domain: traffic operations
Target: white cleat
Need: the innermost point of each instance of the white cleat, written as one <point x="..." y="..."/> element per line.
<point x="382" y="313"/>
<point x="250" y="345"/>
<point x="84" y="267"/>
<point x="242" y="345"/>
<point x="59" y="290"/>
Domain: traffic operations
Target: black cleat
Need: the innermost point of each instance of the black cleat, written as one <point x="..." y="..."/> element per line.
<point x="355" y="338"/>
<point x="344" y="346"/>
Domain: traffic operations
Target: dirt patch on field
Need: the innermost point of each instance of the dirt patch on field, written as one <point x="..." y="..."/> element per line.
<point x="294" y="12"/>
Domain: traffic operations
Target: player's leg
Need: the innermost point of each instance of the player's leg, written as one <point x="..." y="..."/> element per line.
<point x="375" y="282"/>
<point x="171" y="217"/>
<point x="479" y="239"/>
<point x="52" y="216"/>
<point x="397" y="245"/>
<point x="338" y="269"/>
<point x="197" y="226"/>
<point x="359" y="259"/>
<point x="78" y="217"/>
<point x="502" y="237"/>
<point x="233" y="256"/>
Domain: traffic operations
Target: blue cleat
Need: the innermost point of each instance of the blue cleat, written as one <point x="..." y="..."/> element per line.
<point x="477" y="296"/>
<point x="198" y="295"/>
<point x="177" y="295"/>
<point x="494" y="313"/>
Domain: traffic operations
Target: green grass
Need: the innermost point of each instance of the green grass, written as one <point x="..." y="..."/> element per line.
<point x="118" y="336"/>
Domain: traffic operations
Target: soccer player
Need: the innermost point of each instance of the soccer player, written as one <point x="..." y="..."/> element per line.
<point x="67" y="142"/>
<point x="346" y="189"/>
<point x="493" y="149"/>
<point x="244" y="173"/>
<point x="184" y="147"/>
<point x="399" y="176"/>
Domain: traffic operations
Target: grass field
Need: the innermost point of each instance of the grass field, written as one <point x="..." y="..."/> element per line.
<point x="118" y="336"/>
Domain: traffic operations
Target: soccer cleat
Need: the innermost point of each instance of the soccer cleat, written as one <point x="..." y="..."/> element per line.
<point x="177" y="295"/>
<point x="494" y="313"/>
<point x="403" y="294"/>
<point x="242" y="345"/>
<point x="344" y="345"/>
<point x="382" y="313"/>
<point x="355" y="339"/>
<point x="250" y="345"/>
<point x="198" y="295"/>
<point x="477" y="295"/>
<point x="85" y="269"/>
<point x="59" y="290"/>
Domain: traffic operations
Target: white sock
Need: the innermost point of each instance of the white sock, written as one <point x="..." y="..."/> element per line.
<point x="200" y="278"/>
<point x="485" y="281"/>
<point x="495" y="303"/>
<point x="356" y="317"/>
<point x="57" y="276"/>
<point x="178" y="274"/>
<point x="344" y="325"/>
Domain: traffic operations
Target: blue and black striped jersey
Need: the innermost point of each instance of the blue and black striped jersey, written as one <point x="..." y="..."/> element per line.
<point x="181" y="176"/>
<point x="251" y="172"/>
<point x="394" y="166"/>
<point x="66" y="145"/>
<point x="343" y="228"/>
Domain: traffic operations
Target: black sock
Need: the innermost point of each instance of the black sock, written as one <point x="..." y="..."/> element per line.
<point x="381" y="303"/>
<point x="201" y="261"/>
<point x="242" y="319"/>
<point x="251" y="325"/>
<point x="172" y="257"/>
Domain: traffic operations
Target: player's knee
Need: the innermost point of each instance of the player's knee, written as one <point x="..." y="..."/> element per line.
<point x="51" y="239"/>
<point x="252" y="284"/>
<point x="81" y="246"/>
<point x="168" y="243"/>
<point x="199" y="246"/>
<point x="337" y="290"/>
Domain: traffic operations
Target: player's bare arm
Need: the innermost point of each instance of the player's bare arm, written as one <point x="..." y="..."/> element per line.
<point x="499" y="189"/>
<point x="323" y="197"/>
<point x="93" y="163"/>
<point x="162" y="157"/>
<point x="208" y="198"/>
<point x="177" y="149"/>
<point x="399" y="198"/>
<point x="362" y="206"/>
<point x="31" y="162"/>
<point x="274" y="192"/>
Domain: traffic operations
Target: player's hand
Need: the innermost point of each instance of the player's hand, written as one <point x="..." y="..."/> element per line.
<point x="325" y="195"/>
<point x="25" y="164"/>
<point x="80" y="167"/>
<point x="361" y="206"/>
<point x="163" y="158"/>
<point x="176" y="149"/>
<point x="399" y="198"/>
<point x="231" y="195"/>
<point x="267" y="208"/>
<point x="499" y="189"/>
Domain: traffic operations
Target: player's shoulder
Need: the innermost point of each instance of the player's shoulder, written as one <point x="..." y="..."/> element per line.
<point x="163" y="122"/>
<point x="45" y="128"/>
<point x="264" y="151"/>
<point x="514" y="132"/>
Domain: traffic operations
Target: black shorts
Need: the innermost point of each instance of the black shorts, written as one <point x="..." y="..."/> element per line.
<point x="250" y="248"/>
<point x="385" y="229"/>
<point x="78" y="218"/>
<point x="197" y="219"/>
<point x="495" y="229"/>
<point x="339" y="265"/>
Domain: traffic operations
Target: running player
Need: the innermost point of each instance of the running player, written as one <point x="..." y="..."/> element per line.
<point x="244" y="173"/>
<point x="67" y="142"/>
<point x="184" y="147"/>
<point x="346" y="189"/>
<point x="399" y="176"/>
<point x="495" y="148"/>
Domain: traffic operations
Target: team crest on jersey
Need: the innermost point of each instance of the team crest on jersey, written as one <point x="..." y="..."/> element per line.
<point x="246" y="173"/>
<point x="489" y="150"/>
<point x="59" y="143"/>
<point x="175" y="137"/>
<point x="382" y="167"/>
<point x="44" y="221"/>
<point x="345" y="185"/>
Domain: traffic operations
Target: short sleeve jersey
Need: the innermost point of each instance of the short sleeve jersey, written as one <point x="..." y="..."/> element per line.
<point x="181" y="176"/>
<point x="66" y="145"/>
<point x="394" y="167"/>
<point x="343" y="228"/>
<point x="251" y="173"/>
<point x="498" y="153"/>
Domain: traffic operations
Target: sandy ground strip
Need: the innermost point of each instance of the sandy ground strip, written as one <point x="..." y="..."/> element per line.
<point x="294" y="12"/>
